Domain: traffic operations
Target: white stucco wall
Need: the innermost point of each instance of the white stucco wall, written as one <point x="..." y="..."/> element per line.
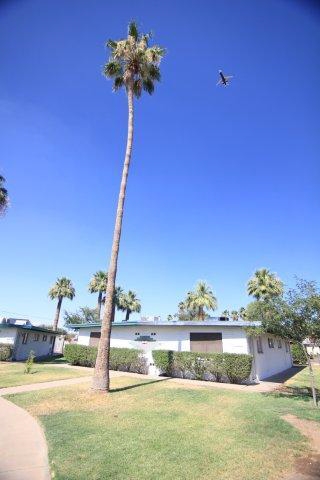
<point x="7" y="335"/>
<point x="272" y="360"/>
<point x="173" y="337"/>
<point x="40" y="348"/>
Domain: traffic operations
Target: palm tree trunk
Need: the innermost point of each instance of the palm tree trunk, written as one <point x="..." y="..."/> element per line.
<point x="127" y="315"/>
<point x="101" y="373"/>
<point x="57" y="315"/>
<point x="99" y="305"/>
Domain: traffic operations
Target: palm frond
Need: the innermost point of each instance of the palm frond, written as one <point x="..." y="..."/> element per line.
<point x="137" y="88"/>
<point x="148" y="86"/>
<point x="118" y="83"/>
<point x="133" y="30"/>
<point x="112" y="69"/>
<point x="112" y="44"/>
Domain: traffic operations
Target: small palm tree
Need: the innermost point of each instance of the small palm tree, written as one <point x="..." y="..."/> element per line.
<point x="201" y="299"/>
<point x="134" y="65"/>
<point x="98" y="284"/>
<point x="4" y="199"/>
<point x="63" y="288"/>
<point x="264" y="285"/>
<point x="234" y="315"/>
<point x="129" y="302"/>
<point x="225" y="313"/>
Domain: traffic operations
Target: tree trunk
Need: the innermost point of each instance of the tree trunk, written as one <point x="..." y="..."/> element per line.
<point x="101" y="379"/>
<point x="99" y="305"/>
<point x="312" y="383"/>
<point x="57" y="315"/>
<point x="201" y="314"/>
<point x="127" y="315"/>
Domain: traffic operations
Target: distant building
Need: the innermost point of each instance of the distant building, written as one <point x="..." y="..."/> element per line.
<point x="271" y="355"/>
<point x="24" y="337"/>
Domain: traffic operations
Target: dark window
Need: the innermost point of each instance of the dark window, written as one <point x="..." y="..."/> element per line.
<point x="36" y="337"/>
<point x="259" y="345"/>
<point x="25" y="338"/>
<point x="270" y="342"/>
<point x="206" y="342"/>
<point x="279" y="343"/>
<point x="44" y="338"/>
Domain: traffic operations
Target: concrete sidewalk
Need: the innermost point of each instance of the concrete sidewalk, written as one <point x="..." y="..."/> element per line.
<point x="23" y="447"/>
<point x="41" y="386"/>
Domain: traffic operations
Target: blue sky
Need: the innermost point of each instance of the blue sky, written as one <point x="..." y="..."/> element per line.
<point x="223" y="180"/>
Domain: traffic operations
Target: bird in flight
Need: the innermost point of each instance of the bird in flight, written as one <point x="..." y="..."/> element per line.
<point x="224" y="79"/>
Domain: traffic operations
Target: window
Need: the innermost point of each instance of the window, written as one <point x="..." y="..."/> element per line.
<point x="52" y="339"/>
<point x="270" y="342"/>
<point x="36" y="337"/>
<point x="279" y="343"/>
<point x="259" y="345"/>
<point x="287" y="346"/>
<point x="44" y="338"/>
<point x="25" y="338"/>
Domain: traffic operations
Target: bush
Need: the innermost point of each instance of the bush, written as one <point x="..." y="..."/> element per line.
<point x="124" y="359"/>
<point x="29" y="362"/>
<point x="5" y="352"/>
<point x="233" y="366"/>
<point x="298" y="355"/>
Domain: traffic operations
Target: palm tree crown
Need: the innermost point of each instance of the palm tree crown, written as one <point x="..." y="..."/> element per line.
<point x="129" y="302"/>
<point x="264" y="285"/>
<point x="63" y="288"/>
<point x="98" y="282"/>
<point x="133" y="64"/>
<point x="4" y="199"/>
<point x="201" y="299"/>
<point x="225" y="313"/>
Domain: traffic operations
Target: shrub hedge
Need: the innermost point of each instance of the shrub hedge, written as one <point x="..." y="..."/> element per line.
<point x="124" y="359"/>
<point x="298" y="355"/>
<point x="5" y="352"/>
<point x="232" y="367"/>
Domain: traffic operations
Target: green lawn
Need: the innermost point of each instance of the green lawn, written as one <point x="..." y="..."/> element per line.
<point x="12" y="374"/>
<point x="302" y="379"/>
<point x="147" y="430"/>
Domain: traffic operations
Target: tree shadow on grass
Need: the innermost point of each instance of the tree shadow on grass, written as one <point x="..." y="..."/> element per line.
<point x="295" y="393"/>
<point x="136" y="385"/>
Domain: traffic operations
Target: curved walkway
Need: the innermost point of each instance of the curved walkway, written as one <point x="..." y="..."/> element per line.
<point x="23" y="446"/>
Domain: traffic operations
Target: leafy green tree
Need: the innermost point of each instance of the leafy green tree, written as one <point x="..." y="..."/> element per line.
<point x="83" y="315"/>
<point x="63" y="288"/>
<point x="235" y="315"/>
<point x="264" y="284"/>
<point x="243" y="313"/>
<point x="294" y="316"/>
<point x="201" y="299"/>
<point x="98" y="284"/>
<point x="129" y="302"/>
<point x="134" y="65"/>
<point x="4" y="199"/>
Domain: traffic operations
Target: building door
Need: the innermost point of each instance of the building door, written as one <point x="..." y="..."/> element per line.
<point x="206" y="342"/>
<point x="94" y="339"/>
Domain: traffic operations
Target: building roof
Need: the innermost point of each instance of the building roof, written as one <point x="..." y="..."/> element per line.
<point x="29" y="328"/>
<point x="212" y="322"/>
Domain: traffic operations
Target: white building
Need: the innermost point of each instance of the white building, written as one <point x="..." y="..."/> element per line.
<point x="24" y="337"/>
<point x="271" y="355"/>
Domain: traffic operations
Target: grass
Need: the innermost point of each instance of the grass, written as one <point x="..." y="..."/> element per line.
<point x="158" y="429"/>
<point x="12" y="374"/>
<point x="302" y="379"/>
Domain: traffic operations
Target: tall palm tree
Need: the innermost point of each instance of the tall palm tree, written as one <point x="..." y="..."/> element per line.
<point x="264" y="284"/>
<point x="98" y="284"/>
<point x="201" y="299"/>
<point x="129" y="302"/>
<point x="235" y="315"/>
<point x="63" y="288"/>
<point x="4" y="199"/>
<point x="134" y="65"/>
